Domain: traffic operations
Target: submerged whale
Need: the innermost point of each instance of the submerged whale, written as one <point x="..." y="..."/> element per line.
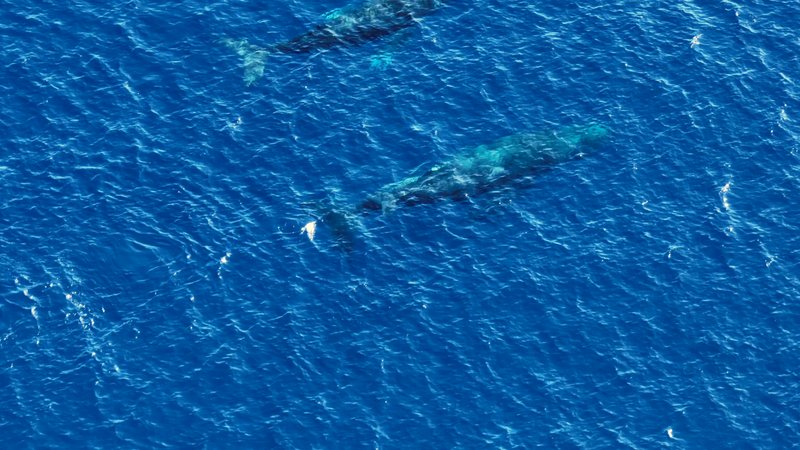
<point x="473" y="172"/>
<point x="353" y="25"/>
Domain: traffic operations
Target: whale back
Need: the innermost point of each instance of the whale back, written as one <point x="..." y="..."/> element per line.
<point x="355" y="26"/>
<point x="487" y="166"/>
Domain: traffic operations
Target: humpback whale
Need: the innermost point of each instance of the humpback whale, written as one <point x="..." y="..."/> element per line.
<point x="350" y="26"/>
<point x="473" y="172"/>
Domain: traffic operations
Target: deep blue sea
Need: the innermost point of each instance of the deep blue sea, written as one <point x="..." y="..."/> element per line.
<point x="156" y="290"/>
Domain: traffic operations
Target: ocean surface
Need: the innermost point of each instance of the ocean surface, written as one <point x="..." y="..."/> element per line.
<point x="157" y="292"/>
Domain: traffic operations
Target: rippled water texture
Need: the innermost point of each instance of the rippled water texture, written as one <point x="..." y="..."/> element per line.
<point x="157" y="292"/>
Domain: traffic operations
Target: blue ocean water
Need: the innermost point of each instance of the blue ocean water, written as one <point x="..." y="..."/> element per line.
<point x="157" y="292"/>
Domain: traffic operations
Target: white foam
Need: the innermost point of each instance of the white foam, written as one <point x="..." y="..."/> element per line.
<point x="771" y="260"/>
<point x="235" y="124"/>
<point x="724" y="194"/>
<point x="225" y="259"/>
<point x="672" y="249"/>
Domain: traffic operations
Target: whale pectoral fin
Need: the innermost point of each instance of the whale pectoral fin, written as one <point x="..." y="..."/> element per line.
<point x="341" y="13"/>
<point x="334" y="14"/>
<point x="381" y="61"/>
<point x="384" y="58"/>
<point x="240" y="47"/>
<point x="254" y="58"/>
<point x="497" y="172"/>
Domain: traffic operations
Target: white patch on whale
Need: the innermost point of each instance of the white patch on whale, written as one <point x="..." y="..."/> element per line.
<point x="310" y="229"/>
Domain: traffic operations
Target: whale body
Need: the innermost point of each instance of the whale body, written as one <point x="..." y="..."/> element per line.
<point x="475" y="171"/>
<point x="488" y="166"/>
<point x="349" y="26"/>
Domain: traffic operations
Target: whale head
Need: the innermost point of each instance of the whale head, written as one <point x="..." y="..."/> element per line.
<point x="593" y="135"/>
<point x="566" y="143"/>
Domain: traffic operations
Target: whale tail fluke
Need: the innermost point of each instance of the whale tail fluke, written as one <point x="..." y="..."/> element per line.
<point x="310" y="230"/>
<point x="340" y="227"/>
<point x="254" y="57"/>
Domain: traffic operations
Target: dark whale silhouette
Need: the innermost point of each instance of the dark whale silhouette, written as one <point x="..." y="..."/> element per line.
<point x="473" y="172"/>
<point x="348" y="27"/>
